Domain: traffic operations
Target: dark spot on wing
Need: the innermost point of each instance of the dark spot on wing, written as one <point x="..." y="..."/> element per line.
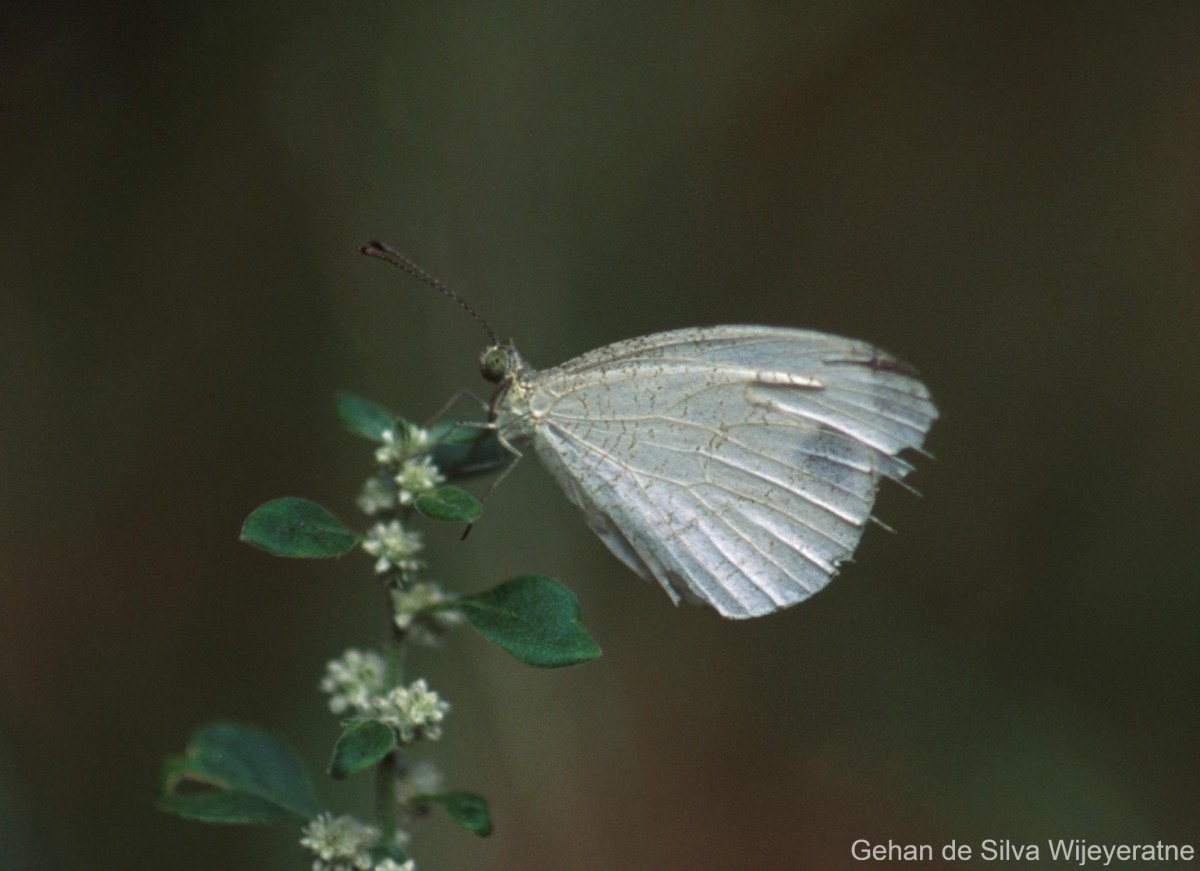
<point x="878" y="360"/>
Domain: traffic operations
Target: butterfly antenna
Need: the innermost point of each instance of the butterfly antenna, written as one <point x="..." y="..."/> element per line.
<point x="378" y="249"/>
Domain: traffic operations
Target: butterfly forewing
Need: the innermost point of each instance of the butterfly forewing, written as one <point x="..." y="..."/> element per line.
<point x="734" y="465"/>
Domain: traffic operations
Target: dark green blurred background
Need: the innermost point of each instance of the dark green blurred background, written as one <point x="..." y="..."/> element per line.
<point x="1005" y="195"/>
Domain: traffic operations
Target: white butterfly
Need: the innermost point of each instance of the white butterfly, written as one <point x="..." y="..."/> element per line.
<point x="735" y="465"/>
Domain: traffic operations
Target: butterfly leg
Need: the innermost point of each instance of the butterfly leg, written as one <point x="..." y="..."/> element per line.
<point x="517" y="456"/>
<point x="450" y="430"/>
<point x="451" y="402"/>
<point x="508" y="446"/>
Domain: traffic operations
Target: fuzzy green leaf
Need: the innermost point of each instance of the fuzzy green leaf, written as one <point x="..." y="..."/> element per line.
<point x="297" y="527"/>
<point x="363" y="417"/>
<point x="362" y="744"/>
<point x="236" y="808"/>
<point x="235" y="774"/>
<point x="449" y="503"/>
<point x="466" y="808"/>
<point x="463" y="451"/>
<point x="534" y="618"/>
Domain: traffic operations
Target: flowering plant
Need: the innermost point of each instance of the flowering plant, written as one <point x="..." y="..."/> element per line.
<point x="235" y="774"/>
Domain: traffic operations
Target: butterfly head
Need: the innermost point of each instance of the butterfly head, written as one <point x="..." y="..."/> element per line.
<point x="500" y="364"/>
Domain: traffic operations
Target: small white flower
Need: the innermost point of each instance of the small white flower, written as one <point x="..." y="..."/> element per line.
<point x="412" y="711"/>
<point x="353" y="680"/>
<point x="378" y="495"/>
<point x="408" y="603"/>
<point x="390" y="450"/>
<point x="394" y="546"/>
<point x="393" y="865"/>
<point x="339" y="843"/>
<point x="400" y="443"/>
<point x="416" y="477"/>
<point x="423" y="778"/>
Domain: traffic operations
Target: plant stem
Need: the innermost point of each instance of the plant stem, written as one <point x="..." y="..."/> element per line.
<point x="391" y="767"/>
<point x="387" y="773"/>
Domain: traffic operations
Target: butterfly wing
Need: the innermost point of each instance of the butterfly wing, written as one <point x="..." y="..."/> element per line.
<point x="735" y="465"/>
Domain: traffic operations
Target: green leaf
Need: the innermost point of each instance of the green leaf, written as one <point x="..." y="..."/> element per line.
<point x="235" y="808"/>
<point x="297" y="527"/>
<point x="362" y="744"/>
<point x="363" y="417"/>
<point x="468" y="810"/>
<point x="449" y="503"/>
<point x="534" y="618"/>
<point x="235" y="774"/>
<point x="463" y="451"/>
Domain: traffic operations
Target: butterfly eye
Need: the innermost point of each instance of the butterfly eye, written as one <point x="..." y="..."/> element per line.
<point x="494" y="364"/>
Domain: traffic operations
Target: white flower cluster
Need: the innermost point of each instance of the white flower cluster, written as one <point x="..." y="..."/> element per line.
<point x="412" y="711"/>
<point x="408" y="471"/>
<point x="344" y="844"/>
<point x="340" y="843"/>
<point x="355" y="684"/>
<point x="407" y="605"/>
<point x="383" y="493"/>
<point x="397" y="445"/>
<point x="378" y="495"/>
<point x="416" y="477"/>
<point x="422" y="778"/>
<point x="353" y="680"/>
<point x="393" y="546"/>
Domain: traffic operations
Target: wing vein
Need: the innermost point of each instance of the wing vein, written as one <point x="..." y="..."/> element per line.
<point x="783" y="485"/>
